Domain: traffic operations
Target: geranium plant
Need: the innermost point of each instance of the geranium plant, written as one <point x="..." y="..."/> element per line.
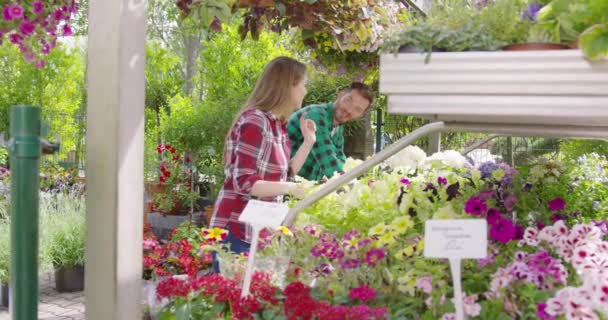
<point x="176" y="177"/>
<point x="35" y="25"/>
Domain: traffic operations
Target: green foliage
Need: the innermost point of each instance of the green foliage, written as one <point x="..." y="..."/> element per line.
<point x="163" y="78"/>
<point x="3" y="157"/>
<point x="58" y="89"/>
<point x="572" y="149"/>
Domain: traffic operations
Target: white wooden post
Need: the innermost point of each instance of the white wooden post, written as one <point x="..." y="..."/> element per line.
<point x="115" y="139"/>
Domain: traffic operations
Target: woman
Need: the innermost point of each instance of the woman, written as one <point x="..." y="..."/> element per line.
<point x="257" y="149"/>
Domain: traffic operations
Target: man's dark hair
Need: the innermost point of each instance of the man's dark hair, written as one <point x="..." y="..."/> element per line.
<point x="363" y="90"/>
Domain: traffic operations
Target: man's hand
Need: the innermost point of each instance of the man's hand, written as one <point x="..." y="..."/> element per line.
<point x="308" y="129"/>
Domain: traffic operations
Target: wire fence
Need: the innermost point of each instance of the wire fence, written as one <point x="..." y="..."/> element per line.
<point x="70" y="131"/>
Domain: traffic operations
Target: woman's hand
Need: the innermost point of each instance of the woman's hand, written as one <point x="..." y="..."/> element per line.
<point x="308" y="129"/>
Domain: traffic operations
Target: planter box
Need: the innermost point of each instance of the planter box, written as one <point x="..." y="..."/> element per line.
<point x="4" y="295"/>
<point x="69" y="279"/>
<point x="557" y="87"/>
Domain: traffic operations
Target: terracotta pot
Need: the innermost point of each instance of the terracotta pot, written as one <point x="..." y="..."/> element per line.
<point x="573" y="44"/>
<point x="69" y="279"/>
<point x="534" y="46"/>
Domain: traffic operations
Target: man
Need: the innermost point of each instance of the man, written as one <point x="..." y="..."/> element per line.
<point x="327" y="155"/>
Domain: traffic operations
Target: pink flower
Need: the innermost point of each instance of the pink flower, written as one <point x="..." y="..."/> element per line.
<point x="67" y="30"/>
<point x="510" y="202"/>
<point x="493" y="216"/>
<point x="14" y="12"/>
<point x="425" y="284"/>
<point x="373" y="256"/>
<point x="40" y="63"/>
<point x="37" y="7"/>
<point x="363" y="293"/>
<point x="26" y="27"/>
<point x="475" y="206"/>
<point x="449" y="316"/>
<point x="471" y="307"/>
<point x="541" y="312"/>
<point x="46" y="49"/>
<point x="556" y="204"/>
<point x="15" y="38"/>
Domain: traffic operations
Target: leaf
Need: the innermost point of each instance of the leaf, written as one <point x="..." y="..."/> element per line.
<point x="183" y="312"/>
<point x="594" y="42"/>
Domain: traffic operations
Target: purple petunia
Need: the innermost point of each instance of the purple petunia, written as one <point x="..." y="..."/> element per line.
<point x="13" y="12"/>
<point x="556" y="204"/>
<point x="493" y="216"/>
<point x="26" y="27"/>
<point x="373" y="256"/>
<point x="442" y="181"/>
<point x="37" y="7"/>
<point x="503" y="230"/>
<point x="350" y="264"/>
<point x="475" y="206"/>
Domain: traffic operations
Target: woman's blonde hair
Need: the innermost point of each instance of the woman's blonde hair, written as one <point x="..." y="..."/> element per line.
<point x="273" y="89"/>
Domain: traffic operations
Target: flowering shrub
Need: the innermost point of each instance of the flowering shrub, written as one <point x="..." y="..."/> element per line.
<point x="34" y="25"/>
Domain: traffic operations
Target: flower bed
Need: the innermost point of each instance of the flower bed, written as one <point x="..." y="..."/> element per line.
<point x="358" y="252"/>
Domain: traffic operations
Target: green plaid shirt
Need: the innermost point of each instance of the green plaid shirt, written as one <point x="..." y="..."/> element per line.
<point x="327" y="155"/>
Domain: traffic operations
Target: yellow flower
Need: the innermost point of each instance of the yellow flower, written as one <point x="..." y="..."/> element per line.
<point x="407" y="283"/>
<point x="216" y="234"/>
<point x="286" y="231"/>
<point x="401" y="224"/>
<point x="445" y="212"/>
<point x="498" y="174"/>
<point x="387" y="238"/>
<point x="377" y="229"/>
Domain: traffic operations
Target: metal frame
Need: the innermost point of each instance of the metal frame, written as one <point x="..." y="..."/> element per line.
<point x="521" y="130"/>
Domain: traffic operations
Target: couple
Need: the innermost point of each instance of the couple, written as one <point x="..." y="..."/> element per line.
<point x="273" y="139"/>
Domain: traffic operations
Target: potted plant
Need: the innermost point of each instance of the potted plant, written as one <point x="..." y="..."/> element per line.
<point x="4" y="262"/>
<point x="65" y="242"/>
<point x="578" y="23"/>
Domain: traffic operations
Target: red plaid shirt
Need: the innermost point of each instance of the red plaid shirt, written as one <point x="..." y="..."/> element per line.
<point x="257" y="148"/>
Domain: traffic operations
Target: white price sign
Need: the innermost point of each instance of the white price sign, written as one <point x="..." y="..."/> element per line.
<point x="264" y="214"/>
<point x="456" y="240"/>
<point x="462" y="239"/>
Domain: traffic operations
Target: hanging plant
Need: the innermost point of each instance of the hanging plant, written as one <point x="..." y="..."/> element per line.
<point x="35" y="25"/>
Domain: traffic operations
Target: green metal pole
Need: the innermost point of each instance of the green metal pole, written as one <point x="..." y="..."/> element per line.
<point x="24" y="148"/>
<point x="379" y="124"/>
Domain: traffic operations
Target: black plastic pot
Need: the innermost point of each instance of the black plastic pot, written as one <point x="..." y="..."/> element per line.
<point x="4" y="295"/>
<point x="69" y="279"/>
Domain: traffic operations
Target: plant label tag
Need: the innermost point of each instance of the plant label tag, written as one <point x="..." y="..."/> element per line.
<point x="456" y="239"/>
<point x="264" y="214"/>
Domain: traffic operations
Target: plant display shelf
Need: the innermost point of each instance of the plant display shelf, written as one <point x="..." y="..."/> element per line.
<point x="518" y="93"/>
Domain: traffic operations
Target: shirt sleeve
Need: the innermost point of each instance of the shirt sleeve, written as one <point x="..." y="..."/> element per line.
<point x="248" y="145"/>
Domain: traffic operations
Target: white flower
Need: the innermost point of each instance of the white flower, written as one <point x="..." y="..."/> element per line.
<point x="350" y="163"/>
<point x="448" y="158"/>
<point x="409" y="158"/>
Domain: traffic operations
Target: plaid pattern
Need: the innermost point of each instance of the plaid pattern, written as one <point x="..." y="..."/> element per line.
<point x="256" y="149"/>
<point x="327" y="155"/>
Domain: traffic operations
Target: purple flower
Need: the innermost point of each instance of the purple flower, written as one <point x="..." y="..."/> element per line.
<point x="321" y="270"/>
<point x="503" y="230"/>
<point x="487" y="194"/>
<point x="67" y="30"/>
<point x="442" y="181"/>
<point x="13" y="12"/>
<point x="40" y="63"/>
<point x="46" y="49"/>
<point x="58" y="15"/>
<point x="486" y="169"/>
<point x="37" y="7"/>
<point x="475" y="206"/>
<point x="540" y="225"/>
<point x="26" y="27"/>
<point x="556" y="204"/>
<point x="558" y="216"/>
<point x="493" y="216"/>
<point x="541" y="312"/>
<point x="531" y="13"/>
<point x="510" y="202"/>
<point x="15" y="38"/>
<point x="373" y="256"/>
<point x="425" y="284"/>
<point x="350" y="264"/>
<point x="405" y="181"/>
<point x="351" y="234"/>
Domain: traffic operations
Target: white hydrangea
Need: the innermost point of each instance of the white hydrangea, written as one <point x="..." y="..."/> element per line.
<point x="410" y="158"/>
<point x="350" y="163"/>
<point x="448" y="158"/>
